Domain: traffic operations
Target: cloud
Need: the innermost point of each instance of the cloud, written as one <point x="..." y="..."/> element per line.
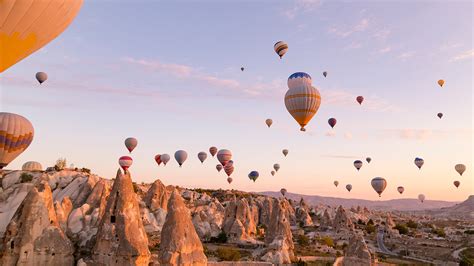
<point x="301" y="6"/>
<point x="330" y="133"/>
<point x="382" y="35"/>
<point x="340" y="156"/>
<point x="406" y="55"/>
<point x="465" y="55"/>
<point x="175" y="69"/>
<point x="353" y="45"/>
<point x="344" y="32"/>
<point x="385" y="50"/>
<point x="342" y="98"/>
<point x="425" y="134"/>
<point x="348" y="135"/>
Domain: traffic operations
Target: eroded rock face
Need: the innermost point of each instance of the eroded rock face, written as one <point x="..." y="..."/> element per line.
<point x="34" y="236"/>
<point x="180" y="244"/>
<point x="326" y="220"/>
<point x="342" y="220"/>
<point x="121" y="238"/>
<point x="357" y="252"/>
<point x="239" y="221"/>
<point x="63" y="209"/>
<point x="10" y="200"/>
<point x="157" y="196"/>
<point x="208" y="219"/>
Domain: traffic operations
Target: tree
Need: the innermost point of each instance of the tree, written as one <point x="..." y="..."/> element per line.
<point x="412" y="224"/>
<point x="402" y="229"/>
<point x="303" y="240"/>
<point x="370" y="222"/>
<point x="370" y="228"/>
<point x="60" y="164"/>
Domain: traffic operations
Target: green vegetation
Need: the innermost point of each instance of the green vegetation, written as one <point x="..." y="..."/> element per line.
<point x="370" y="228"/>
<point x="469" y="232"/>
<point x="221" y="238"/>
<point x="402" y="229"/>
<point x="85" y="170"/>
<point x="412" y="224"/>
<point x="60" y="164"/>
<point x="302" y="240"/>
<point x="467" y="257"/>
<point x="327" y="241"/>
<point x="25" y="178"/>
<point x="439" y="232"/>
<point x="228" y="254"/>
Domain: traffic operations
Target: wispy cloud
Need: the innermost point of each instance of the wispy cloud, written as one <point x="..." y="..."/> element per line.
<point x="382" y="34"/>
<point x="346" y="31"/>
<point x="330" y="133"/>
<point x="340" y="156"/>
<point x="385" y="50"/>
<point x="353" y="45"/>
<point x="348" y="135"/>
<point x="406" y="55"/>
<point x="463" y="56"/>
<point x="301" y="6"/>
<point x="343" y="98"/>
<point x="424" y="134"/>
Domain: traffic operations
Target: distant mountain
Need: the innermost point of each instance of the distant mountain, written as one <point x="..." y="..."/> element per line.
<point x="395" y="204"/>
<point x="463" y="210"/>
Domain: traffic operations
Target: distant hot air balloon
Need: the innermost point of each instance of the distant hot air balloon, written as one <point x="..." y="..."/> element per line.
<point x="219" y="167"/>
<point x="125" y="162"/>
<point x="421" y="197"/>
<point x="360" y="99"/>
<point x="456" y="183"/>
<point x="280" y="48"/>
<point x="283" y="191"/>
<point x="460" y="168"/>
<point x="379" y="184"/>
<point x="349" y="187"/>
<point x="224" y="156"/>
<point x="41" y="77"/>
<point x="325" y="73"/>
<point x="229" y="180"/>
<point x="158" y="159"/>
<point x="273" y="173"/>
<point x="32" y="166"/>
<point x="269" y="122"/>
<point x="332" y="122"/>
<point x="336" y="183"/>
<point x="229" y="169"/>
<point x="213" y="151"/>
<point x="419" y="162"/>
<point x="368" y="159"/>
<point x="202" y="156"/>
<point x="253" y="175"/>
<point x="242" y="68"/>
<point x="180" y="157"/>
<point x="441" y="82"/>
<point x="358" y="164"/>
<point x="276" y="167"/>
<point x="440" y="115"/>
<point x="165" y="158"/>
<point x="28" y="26"/>
<point x="400" y="189"/>
<point x="16" y="134"/>
<point x="285" y="152"/>
<point x="302" y="100"/>
<point x="131" y="143"/>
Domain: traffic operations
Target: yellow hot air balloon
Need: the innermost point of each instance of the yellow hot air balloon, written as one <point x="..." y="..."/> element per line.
<point x="441" y="82"/>
<point x="16" y="134"/>
<point x="28" y="25"/>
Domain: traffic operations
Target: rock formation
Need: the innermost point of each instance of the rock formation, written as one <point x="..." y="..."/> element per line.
<point x="157" y="196"/>
<point x="63" y="209"/>
<point x="180" y="244"/>
<point x="357" y="253"/>
<point x="342" y="220"/>
<point x="326" y="220"/>
<point x="239" y="223"/>
<point x="10" y="200"/>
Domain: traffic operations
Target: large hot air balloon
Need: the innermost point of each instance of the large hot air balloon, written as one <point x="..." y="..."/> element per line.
<point x="332" y="122"/>
<point x="283" y="191"/>
<point x="242" y="68"/>
<point x="456" y="183"/>
<point x="32" y="166"/>
<point x="26" y="26"/>
<point x="460" y="168"/>
<point x="280" y="48"/>
<point x="213" y="151"/>
<point x="202" y="156"/>
<point x="336" y="183"/>
<point x="269" y="122"/>
<point x="229" y="180"/>
<point x="229" y="169"/>
<point x="419" y="162"/>
<point x="379" y="184"/>
<point x="125" y="162"/>
<point x="273" y="173"/>
<point x="421" y="197"/>
<point x="276" y="167"/>
<point x="349" y="187"/>
<point x="253" y="175"/>
<point x="41" y="77"/>
<point x="16" y="133"/>
<point x="368" y="159"/>
<point x="400" y="189"/>
<point x="302" y="100"/>
<point x="165" y="158"/>
<point x="358" y="164"/>
<point x="360" y="99"/>
<point x="224" y="156"/>
<point x="131" y="143"/>
<point x="158" y="159"/>
<point x="285" y="152"/>
<point x="441" y="82"/>
<point x="219" y="167"/>
<point x="440" y="115"/>
<point x="325" y="73"/>
<point x="180" y="157"/>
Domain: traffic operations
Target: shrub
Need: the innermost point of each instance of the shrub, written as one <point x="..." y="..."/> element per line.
<point x="370" y="222"/>
<point x="228" y="254"/>
<point x="402" y="229"/>
<point x="412" y="224"/>
<point x="360" y="222"/>
<point x="136" y="189"/>
<point x="303" y="240"/>
<point x="25" y="178"/>
<point x="60" y="164"/>
<point x="221" y="238"/>
<point x="469" y="232"/>
<point x="370" y="228"/>
<point x="85" y="170"/>
<point x="328" y="241"/>
<point x="439" y="232"/>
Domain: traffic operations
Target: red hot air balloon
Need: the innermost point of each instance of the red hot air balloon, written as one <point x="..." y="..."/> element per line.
<point x="456" y="183"/>
<point x="332" y="122"/>
<point x="213" y="151"/>
<point x="224" y="156"/>
<point x="360" y="99"/>
<point x="158" y="159"/>
<point x="229" y="180"/>
<point x="125" y="162"/>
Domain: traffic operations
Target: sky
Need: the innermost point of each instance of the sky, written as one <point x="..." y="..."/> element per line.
<point x="168" y="73"/>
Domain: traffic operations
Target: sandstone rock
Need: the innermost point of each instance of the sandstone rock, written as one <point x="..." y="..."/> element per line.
<point x="10" y="200"/>
<point x="342" y="220"/>
<point x="239" y="223"/>
<point x="63" y="209"/>
<point x="157" y="196"/>
<point x="208" y="220"/>
<point x="357" y="252"/>
<point x="326" y="220"/>
<point x="303" y="217"/>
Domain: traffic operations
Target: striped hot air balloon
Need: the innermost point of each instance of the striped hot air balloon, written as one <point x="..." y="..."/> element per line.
<point x="379" y="184"/>
<point x="229" y="169"/>
<point x="32" y="166"/>
<point x="26" y="26"/>
<point x="224" y="156"/>
<point x="125" y="162"/>
<point x="16" y="134"/>
<point x="302" y="100"/>
<point x="280" y="48"/>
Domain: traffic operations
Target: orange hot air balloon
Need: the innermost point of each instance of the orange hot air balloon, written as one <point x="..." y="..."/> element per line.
<point x="16" y="134"/>
<point x="441" y="82"/>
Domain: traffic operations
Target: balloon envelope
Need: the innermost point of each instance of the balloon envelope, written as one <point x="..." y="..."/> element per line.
<point x="165" y="158"/>
<point x="213" y="151"/>
<point x="283" y="191"/>
<point x="273" y="173"/>
<point x="253" y="175"/>
<point x="41" y="77"/>
<point x="325" y="73"/>
<point x="368" y="159"/>
<point x="269" y="122"/>
<point x="419" y="162"/>
<point x="400" y="189"/>
<point x="285" y="152"/>
<point x="224" y="156"/>
<point x="456" y="183"/>
<point x="131" y="143"/>
<point x="360" y="99"/>
<point x="280" y="48"/>
<point x="219" y="167"/>
<point x="441" y="82"/>
<point x="125" y="162"/>
<point x="336" y="183"/>
<point x="332" y="122"/>
<point x="229" y="169"/>
<point x="379" y="184"/>
<point x="358" y="164"/>
<point x="202" y="156"/>
<point x="32" y="166"/>
<point x="242" y="68"/>
<point x="229" y="180"/>
<point x="440" y="115"/>
<point x="460" y="168"/>
<point x="16" y="134"/>
<point x="349" y="187"/>
<point x="158" y="159"/>
<point x="421" y="197"/>
<point x="276" y="167"/>
<point x="180" y="156"/>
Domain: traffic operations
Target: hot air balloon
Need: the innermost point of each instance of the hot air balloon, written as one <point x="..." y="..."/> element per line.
<point x="280" y="48"/>
<point x="379" y="184"/>
<point x="273" y="173"/>
<point x="332" y="122"/>
<point x="253" y="175"/>
<point x="269" y="122"/>
<point x="276" y="167"/>
<point x="283" y="191"/>
<point x="125" y="162"/>
<point x="349" y="187"/>
<point x="242" y="68"/>
<point x="158" y="159"/>
<point x="400" y="189"/>
<point x="302" y="100"/>
<point x="336" y="183"/>
<point x="165" y="158"/>
<point x="32" y="166"/>
<point x="131" y="143"/>
<point x="219" y="167"/>
<point x="368" y="159"/>
<point x="421" y="197"/>
<point x="460" y="168"/>
<point x="440" y="115"/>
<point x="419" y="162"/>
<point x="27" y="26"/>
<point x="202" y="156"/>
<point x="180" y="157"/>
<point x="224" y="156"/>
<point x="360" y="99"/>
<point x="456" y="183"/>
<point x="229" y="169"/>
<point x="285" y="152"/>
<point x="229" y="180"/>
<point x="41" y="77"/>
<point x="16" y="134"/>
<point x="325" y="73"/>
<point x="213" y="151"/>
<point x="358" y="164"/>
<point x="441" y="82"/>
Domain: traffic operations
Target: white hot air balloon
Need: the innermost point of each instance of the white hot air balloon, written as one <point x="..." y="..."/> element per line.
<point x="165" y="158"/>
<point x="180" y="157"/>
<point x="421" y="197"/>
<point x="379" y="184"/>
<point x="32" y="166"/>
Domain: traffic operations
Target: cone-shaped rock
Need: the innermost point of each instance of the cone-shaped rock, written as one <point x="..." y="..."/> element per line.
<point x="157" y="196"/>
